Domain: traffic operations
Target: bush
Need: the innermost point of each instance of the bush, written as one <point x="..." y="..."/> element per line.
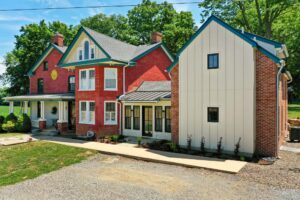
<point x="114" y="138"/>
<point x="23" y="124"/>
<point x="11" y="117"/>
<point x="9" y="126"/>
<point x="1" y="122"/>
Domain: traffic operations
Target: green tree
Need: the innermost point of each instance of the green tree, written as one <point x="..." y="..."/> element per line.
<point x="257" y="16"/>
<point x="3" y="93"/>
<point x="31" y="42"/>
<point x="115" y="26"/>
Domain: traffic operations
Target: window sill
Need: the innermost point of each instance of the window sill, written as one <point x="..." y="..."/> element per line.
<point x="112" y="123"/>
<point x="108" y="89"/>
<point x="88" y="123"/>
<point x="89" y="90"/>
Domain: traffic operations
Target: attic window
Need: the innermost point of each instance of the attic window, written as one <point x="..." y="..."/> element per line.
<point x="80" y="55"/>
<point x="45" y="66"/>
<point x="92" y="53"/>
<point x="86" y="50"/>
<point x="213" y="61"/>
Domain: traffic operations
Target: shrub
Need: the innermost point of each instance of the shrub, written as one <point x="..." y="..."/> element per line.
<point x="139" y="140"/>
<point x="219" y="146"/>
<point x="237" y="147"/>
<point x="202" y="147"/>
<point x="1" y="122"/>
<point x="23" y="124"/>
<point x="11" y="117"/>
<point x="189" y="142"/>
<point x="114" y="138"/>
<point x="9" y="126"/>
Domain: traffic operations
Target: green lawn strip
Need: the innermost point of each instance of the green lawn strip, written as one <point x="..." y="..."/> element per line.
<point x="27" y="161"/>
<point x="4" y="110"/>
<point x="6" y="135"/>
<point x="294" y="110"/>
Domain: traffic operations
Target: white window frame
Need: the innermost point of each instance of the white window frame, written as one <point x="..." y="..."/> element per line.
<point x="92" y="47"/>
<point x="87" y="78"/>
<point x="78" y="54"/>
<point x="87" y="115"/>
<point x="111" y="89"/>
<point x="116" y="111"/>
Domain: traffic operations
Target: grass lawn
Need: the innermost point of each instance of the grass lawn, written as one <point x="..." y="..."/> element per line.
<point x="294" y="110"/>
<point x="5" y="135"/>
<point x="27" y="161"/>
<point x="4" y="110"/>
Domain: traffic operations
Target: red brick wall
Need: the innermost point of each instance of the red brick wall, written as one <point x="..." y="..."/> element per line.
<point x="266" y="71"/>
<point x="99" y="96"/>
<point x="60" y="85"/>
<point x="175" y="104"/>
<point x="149" y="68"/>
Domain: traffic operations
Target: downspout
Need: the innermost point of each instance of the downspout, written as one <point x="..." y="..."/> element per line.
<point x="119" y="102"/>
<point x="282" y="64"/>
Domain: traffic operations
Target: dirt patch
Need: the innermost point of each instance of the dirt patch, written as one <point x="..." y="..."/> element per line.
<point x="161" y="183"/>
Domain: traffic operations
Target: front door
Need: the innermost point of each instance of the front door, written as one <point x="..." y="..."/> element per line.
<point x="147" y="121"/>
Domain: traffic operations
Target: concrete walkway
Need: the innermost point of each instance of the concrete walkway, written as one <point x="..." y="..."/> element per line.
<point x="290" y="149"/>
<point x="130" y="150"/>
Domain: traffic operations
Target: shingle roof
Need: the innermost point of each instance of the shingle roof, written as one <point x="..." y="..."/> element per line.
<point x="149" y="91"/>
<point x="62" y="49"/>
<point x="117" y="49"/>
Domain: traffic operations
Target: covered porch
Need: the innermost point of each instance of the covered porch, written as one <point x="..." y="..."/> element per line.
<point x="47" y="111"/>
<point x="147" y="111"/>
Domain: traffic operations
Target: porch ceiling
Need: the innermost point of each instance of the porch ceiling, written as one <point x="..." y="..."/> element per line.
<point x="41" y="97"/>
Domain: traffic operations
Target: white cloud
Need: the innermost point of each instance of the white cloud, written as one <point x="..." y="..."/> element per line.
<point x="54" y="3"/>
<point x="15" y="18"/>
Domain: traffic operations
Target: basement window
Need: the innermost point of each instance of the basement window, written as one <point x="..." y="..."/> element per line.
<point x="213" y="114"/>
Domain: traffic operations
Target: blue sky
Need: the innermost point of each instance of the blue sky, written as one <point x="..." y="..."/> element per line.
<point x="10" y="22"/>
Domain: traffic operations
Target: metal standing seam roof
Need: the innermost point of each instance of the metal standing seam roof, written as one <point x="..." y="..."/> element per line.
<point x="40" y="97"/>
<point x="149" y="91"/>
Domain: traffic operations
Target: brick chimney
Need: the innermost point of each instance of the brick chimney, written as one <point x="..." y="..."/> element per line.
<point x="156" y="37"/>
<point x="58" y="39"/>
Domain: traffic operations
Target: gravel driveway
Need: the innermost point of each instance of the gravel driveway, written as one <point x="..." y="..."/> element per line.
<point x="114" y="177"/>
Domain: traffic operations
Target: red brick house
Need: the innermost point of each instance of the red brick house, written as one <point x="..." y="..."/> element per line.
<point x="78" y="87"/>
<point x="230" y="86"/>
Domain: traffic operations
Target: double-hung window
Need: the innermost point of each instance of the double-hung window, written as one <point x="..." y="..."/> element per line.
<point x="92" y="53"/>
<point x="40" y="87"/>
<point x="127" y="117"/>
<point x="110" y="113"/>
<point x="71" y="84"/>
<point x="158" y="118"/>
<point x="168" y="119"/>
<point x="80" y="54"/>
<point x="110" y="79"/>
<point x="136" y="117"/>
<point x="87" y="79"/>
<point x="87" y="112"/>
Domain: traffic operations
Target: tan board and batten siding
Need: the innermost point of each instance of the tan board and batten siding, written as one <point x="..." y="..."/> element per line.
<point x="231" y="88"/>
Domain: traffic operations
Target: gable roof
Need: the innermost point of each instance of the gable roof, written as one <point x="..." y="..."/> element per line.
<point x="45" y="53"/>
<point x="266" y="46"/>
<point x="116" y="50"/>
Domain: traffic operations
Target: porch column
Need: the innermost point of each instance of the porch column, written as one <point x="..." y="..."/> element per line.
<point x="62" y="123"/>
<point x="60" y="111"/>
<point x="42" y="120"/>
<point x="25" y="111"/>
<point x="11" y="107"/>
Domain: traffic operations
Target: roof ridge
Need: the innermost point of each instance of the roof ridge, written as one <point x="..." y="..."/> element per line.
<point x="117" y="40"/>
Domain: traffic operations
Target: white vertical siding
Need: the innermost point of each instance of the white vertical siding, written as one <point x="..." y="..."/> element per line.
<point x="230" y="88"/>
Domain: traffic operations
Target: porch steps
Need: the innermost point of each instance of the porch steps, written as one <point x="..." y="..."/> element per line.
<point x="45" y="132"/>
